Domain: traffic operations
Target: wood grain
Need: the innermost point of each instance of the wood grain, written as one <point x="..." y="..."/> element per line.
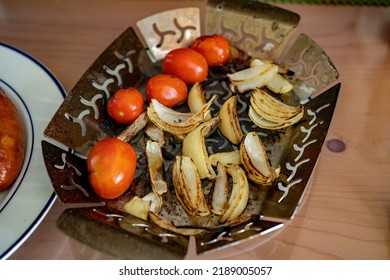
<point x="346" y="213"/>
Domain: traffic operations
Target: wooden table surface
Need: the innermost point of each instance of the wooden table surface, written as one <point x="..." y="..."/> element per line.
<point x="346" y="214"/>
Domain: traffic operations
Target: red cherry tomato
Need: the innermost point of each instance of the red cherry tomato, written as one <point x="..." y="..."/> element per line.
<point x="125" y="105"/>
<point x="167" y="89"/>
<point x="186" y="64"/>
<point x="111" y="166"/>
<point x="215" y="48"/>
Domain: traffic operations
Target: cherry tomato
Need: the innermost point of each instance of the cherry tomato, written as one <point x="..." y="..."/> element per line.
<point x="186" y="64"/>
<point x="215" y="48"/>
<point x="125" y="105"/>
<point x="111" y="166"/>
<point x="167" y="89"/>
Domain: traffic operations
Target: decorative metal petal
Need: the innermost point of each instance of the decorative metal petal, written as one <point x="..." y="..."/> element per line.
<point x="69" y="177"/>
<point x="123" y="237"/>
<point x="260" y="29"/>
<point x="169" y="30"/>
<point x="304" y="144"/>
<point x="313" y="69"/>
<point x="82" y="118"/>
<point x="212" y="241"/>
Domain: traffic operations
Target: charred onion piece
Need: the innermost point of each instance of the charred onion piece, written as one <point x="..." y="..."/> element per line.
<point x="156" y="167"/>
<point x="255" y="160"/>
<point x="165" y="224"/>
<point x="239" y="195"/>
<point x="277" y="110"/>
<point x="263" y="123"/>
<point x="174" y="122"/>
<point x="268" y="112"/>
<point x="132" y="130"/>
<point x="154" y="133"/>
<point x="264" y="76"/>
<point x="188" y="187"/>
<point x="225" y="157"/>
<point x="196" y="99"/>
<point x="138" y="207"/>
<point x="195" y="148"/>
<point x="230" y="125"/>
<point x="260" y="73"/>
<point x="220" y="190"/>
<point x="155" y="202"/>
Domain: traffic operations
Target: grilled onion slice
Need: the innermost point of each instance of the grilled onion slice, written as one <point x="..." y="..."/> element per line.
<point x="230" y="125"/>
<point x="267" y="112"/>
<point x="188" y="187"/>
<point x="239" y="196"/>
<point x="154" y="133"/>
<point x="155" y="167"/>
<point x="259" y="74"/>
<point x="138" y="207"/>
<point x="155" y="201"/>
<point x="256" y="81"/>
<point x="164" y="223"/>
<point x="196" y="99"/>
<point x="225" y="157"/>
<point x="129" y="132"/>
<point x="266" y="124"/>
<point x="255" y="160"/>
<point x="176" y="123"/>
<point x="195" y="148"/>
<point x="273" y="107"/>
<point x="220" y="190"/>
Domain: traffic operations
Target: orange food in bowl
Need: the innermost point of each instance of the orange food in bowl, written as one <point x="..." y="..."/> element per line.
<point x="12" y="142"/>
